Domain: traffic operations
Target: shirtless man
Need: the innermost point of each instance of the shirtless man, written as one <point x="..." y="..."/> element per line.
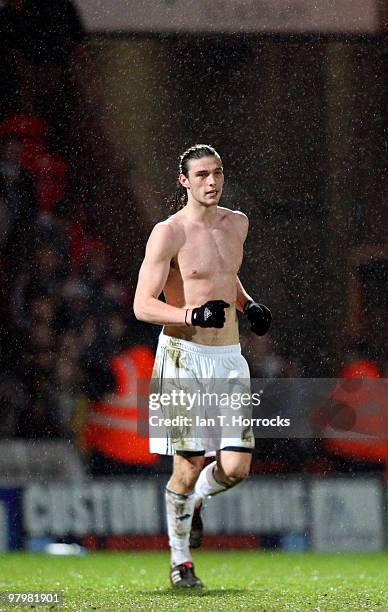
<point x="194" y="258"/>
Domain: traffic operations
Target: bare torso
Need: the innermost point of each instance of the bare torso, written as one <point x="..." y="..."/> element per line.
<point x="204" y="268"/>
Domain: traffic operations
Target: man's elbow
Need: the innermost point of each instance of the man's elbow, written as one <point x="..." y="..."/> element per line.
<point x="141" y="311"/>
<point x="138" y="310"/>
<point x="138" y="314"/>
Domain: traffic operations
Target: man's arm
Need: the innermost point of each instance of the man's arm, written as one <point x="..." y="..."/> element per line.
<point x="242" y="296"/>
<point x="161" y="247"/>
<point x="259" y="316"/>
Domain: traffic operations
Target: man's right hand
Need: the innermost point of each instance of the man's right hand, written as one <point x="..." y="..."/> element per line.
<point x="211" y="314"/>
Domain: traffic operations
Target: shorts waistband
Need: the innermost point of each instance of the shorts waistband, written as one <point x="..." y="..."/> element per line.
<point x="200" y="349"/>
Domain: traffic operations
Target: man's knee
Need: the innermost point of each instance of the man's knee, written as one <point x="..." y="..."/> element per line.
<point x="188" y="477"/>
<point x="186" y="473"/>
<point x="232" y="470"/>
<point x="233" y="475"/>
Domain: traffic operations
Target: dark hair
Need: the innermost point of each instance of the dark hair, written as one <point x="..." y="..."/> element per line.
<point x="179" y="199"/>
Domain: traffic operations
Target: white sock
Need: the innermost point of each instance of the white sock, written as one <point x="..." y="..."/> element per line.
<point x="206" y="484"/>
<point x="179" y="511"/>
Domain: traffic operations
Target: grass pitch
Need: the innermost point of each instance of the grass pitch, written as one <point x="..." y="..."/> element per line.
<point x="233" y="581"/>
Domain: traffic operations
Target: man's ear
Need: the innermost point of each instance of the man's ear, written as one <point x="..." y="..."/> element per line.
<point x="184" y="181"/>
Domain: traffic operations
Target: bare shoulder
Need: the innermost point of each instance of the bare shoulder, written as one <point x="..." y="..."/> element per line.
<point x="236" y="216"/>
<point x="166" y="237"/>
<point x="238" y="219"/>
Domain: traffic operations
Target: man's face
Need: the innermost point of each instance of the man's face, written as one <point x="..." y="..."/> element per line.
<point x="205" y="180"/>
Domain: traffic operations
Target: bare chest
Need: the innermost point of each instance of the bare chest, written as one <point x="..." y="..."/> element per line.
<point x="209" y="252"/>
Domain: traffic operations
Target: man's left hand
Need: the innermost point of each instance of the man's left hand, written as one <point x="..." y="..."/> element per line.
<point x="259" y="316"/>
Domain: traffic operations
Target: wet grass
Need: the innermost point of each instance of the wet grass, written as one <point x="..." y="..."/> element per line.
<point x="233" y="581"/>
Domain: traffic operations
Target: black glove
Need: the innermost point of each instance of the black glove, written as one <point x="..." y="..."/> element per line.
<point x="210" y="314"/>
<point x="259" y="317"/>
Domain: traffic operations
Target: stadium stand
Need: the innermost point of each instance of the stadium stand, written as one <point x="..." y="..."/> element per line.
<point x="65" y="311"/>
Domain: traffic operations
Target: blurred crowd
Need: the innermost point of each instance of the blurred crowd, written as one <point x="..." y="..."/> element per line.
<point x="64" y="310"/>
<point x="67" y="311"/>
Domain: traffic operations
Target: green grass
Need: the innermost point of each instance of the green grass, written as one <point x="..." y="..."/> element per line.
<point x="233" y="581"/>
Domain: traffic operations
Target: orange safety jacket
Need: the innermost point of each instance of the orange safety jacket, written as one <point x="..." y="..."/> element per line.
<point x="117" y="424"/>
<point x="364" y="398"/>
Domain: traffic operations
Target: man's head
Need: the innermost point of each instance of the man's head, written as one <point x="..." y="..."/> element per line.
<point x="201" y="176"/>
<point x="198" y="151"/>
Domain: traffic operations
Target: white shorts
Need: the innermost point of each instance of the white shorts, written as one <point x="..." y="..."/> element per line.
<point x="191" y="389"/>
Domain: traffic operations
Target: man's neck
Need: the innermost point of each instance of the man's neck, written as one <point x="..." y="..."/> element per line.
<point x="195" y="211"/>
